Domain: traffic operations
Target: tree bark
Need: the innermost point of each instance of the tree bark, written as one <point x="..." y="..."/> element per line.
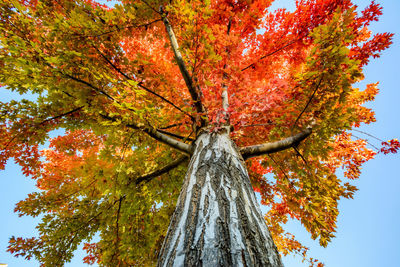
<point x="217" y="221"/>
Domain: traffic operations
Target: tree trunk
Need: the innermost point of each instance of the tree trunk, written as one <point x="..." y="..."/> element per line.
<point x="217" y="221"/>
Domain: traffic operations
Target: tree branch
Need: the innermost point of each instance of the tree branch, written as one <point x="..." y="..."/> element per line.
<point x="41" y="123"/>
<point x="300" y="155"/>
<point x="225" y="96"/>
<point x="61" y="115"/>
<point x="182" y="67"/>
<point x="178" y="145"/>
<point x="117" y="223"/>
<point x="148" y="177"/>
<point x="380" y="140"/>
<point x="175" y="135"/>
<point x="259" y="124"/>
<point x="171" y="126"/>
<point x="308" y="103"/>
<point x="252" y="65"/>
<point x="279" y="166"/>
<point x="152" y="8"/>
<point x="139" y="83"/>
<point x="269" y="148"/>
<point x="120" y="29"/>
<point x="366" y="140"/>
<point x="98" y="90"/>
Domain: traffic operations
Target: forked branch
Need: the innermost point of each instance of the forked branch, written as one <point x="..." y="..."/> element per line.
<point x="269" y="148"/>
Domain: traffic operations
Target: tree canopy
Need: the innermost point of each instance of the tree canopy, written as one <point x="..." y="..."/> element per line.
<point x="129" y="82"/>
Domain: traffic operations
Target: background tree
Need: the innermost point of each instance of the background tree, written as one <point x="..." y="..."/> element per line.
<point x="109" y="76"/>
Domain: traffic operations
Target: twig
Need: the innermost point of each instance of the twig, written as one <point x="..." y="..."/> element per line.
<point x="368" y="135"/>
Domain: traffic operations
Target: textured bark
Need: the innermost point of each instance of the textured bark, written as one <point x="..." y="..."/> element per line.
<point x="217" y="221"/>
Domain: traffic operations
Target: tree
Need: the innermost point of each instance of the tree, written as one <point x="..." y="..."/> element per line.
<point x="142" y="87"/>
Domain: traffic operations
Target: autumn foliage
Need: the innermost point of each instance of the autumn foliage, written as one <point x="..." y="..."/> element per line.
<point x="105" y="77"/>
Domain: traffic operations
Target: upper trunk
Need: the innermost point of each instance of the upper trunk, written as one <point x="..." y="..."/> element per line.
<point x="217" y="221"/>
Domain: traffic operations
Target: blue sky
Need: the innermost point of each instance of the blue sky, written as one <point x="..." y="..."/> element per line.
<point x="368" y="226"/>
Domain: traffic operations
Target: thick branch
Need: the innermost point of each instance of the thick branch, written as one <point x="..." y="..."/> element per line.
<point x="269" y="148"/>
<point x="178" y="145"/>
<point x="182" y="67"/>
<point x="158" y="172"/>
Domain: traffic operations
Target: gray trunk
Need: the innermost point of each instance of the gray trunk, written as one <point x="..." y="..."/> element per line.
<point x="217" y="221"/>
